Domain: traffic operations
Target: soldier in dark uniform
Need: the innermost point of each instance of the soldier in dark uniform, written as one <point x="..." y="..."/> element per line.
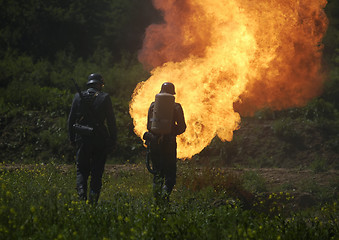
<point x="92" y="109"/>
<point x="163" y="149"/>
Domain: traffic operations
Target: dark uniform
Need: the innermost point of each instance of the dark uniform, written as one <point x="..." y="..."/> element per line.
<point x="92" y="110"/>
<point x="163" y="149"/>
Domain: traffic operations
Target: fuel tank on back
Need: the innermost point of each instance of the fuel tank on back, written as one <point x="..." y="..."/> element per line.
<point x="162" y="120"/>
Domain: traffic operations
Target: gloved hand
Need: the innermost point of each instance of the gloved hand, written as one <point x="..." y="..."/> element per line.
<point x="148" y="137"/>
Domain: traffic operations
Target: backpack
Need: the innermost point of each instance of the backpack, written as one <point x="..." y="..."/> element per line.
<point x="86" y="122"/>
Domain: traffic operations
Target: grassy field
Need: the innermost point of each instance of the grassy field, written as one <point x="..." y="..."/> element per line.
<point x="40" y="202"/>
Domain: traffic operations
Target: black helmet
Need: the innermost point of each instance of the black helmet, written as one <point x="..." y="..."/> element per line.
<point x="168" y="87"/>
<point x="95" y="78"/>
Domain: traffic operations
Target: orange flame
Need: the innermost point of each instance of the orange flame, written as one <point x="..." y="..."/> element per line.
<point x="217" y="53"/>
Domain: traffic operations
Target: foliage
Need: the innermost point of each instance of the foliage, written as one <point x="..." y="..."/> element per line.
<point x="331" y="39"/>
<point x="265" y="114"/>
<point x="319" y="109"/>
<point x="254" y="182"/>
<point x="21" y="71"/>
<point x="43" y="27"/>
<point x="284" y="129"/>
<point x="319" y="165"/>
<point x="129" y="145"/>
<point x="331" y="88"/>
<point x="34" y="97"/>
<point x="216" y="180"/>
<point x="39" y="202"/>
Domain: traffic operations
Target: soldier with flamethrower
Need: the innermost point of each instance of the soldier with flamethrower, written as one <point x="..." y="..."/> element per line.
<point x="165" y="121"/>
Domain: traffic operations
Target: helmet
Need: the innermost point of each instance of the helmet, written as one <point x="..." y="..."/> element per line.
<point x="168" y="87"/>
<point x="95" y="78"/>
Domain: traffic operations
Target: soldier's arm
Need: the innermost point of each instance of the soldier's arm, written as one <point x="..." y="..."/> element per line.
<point x="180" y="124"/>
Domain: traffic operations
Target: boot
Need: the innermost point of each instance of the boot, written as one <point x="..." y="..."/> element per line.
<point x="157" y="188"/>
<point x="165" y="194"/>
<point x="82" y="194"/>
<point x="93" y="197"/>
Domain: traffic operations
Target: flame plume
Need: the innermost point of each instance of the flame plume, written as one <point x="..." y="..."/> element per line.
<point x="218" y="53"/>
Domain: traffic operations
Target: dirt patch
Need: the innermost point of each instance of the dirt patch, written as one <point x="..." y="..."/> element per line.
<point x="274" y="177"/>
<point x="280" y="176"/>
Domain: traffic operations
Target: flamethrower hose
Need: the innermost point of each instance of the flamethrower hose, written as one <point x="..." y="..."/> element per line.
<point x="148" y="160"/>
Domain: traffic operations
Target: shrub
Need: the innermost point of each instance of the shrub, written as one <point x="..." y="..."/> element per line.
<point x="254" y="182"/>
<point x="15" y="67"/>
<point x="284" y="129"/>
<point x="319" y="165"/>
<point x="34" y="97"/>
<point x="219" y="181"/>
<point x="331" y="88"/>
<point x="265" y="114"/>
<point x="318" y="109"/>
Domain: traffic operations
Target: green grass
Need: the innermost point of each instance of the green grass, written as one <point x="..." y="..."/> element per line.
<point x="39" y="202"/>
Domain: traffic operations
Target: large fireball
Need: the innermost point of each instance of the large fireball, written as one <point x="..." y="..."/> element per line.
<point x="249" y="53"/>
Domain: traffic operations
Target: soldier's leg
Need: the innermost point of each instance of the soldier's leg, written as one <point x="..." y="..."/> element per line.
<point x="158" y="178"/>
<point x="170" y="179"/>
<point x="170" y="172"/>
<point x="97" y="170"/>
<point x="83" y="170"/>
